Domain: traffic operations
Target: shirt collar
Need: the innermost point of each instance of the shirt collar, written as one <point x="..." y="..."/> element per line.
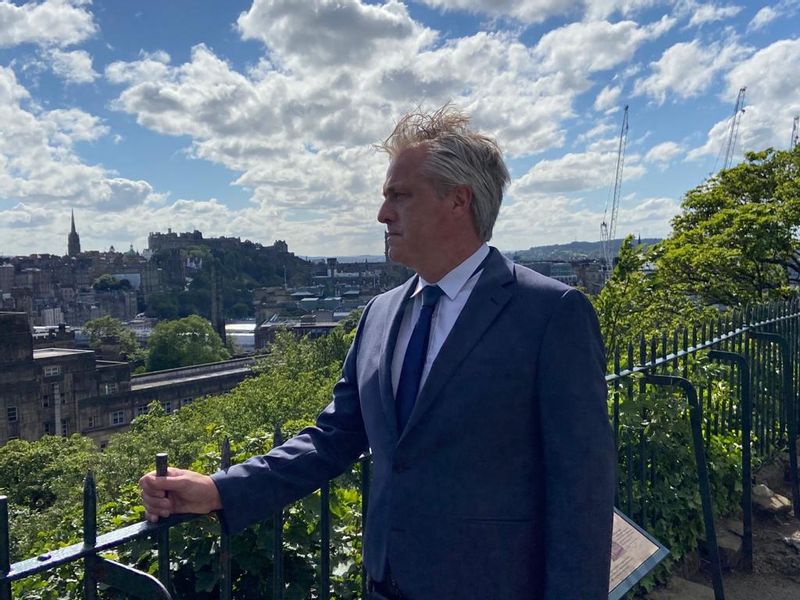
<point x="455" y="280"/>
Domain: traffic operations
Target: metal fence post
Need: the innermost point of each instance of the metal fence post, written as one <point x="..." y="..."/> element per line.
<point x="364" y="503"/>
<point x="702" y="472"/>
<point x="5" y="554"/>
<point x="788" y="403"/>
<point x="162" y="537"/>
<point x="277" y="561"/>
<point x="325" y="541"/>
<point x="747" y="477"/>
<point x="89" y="535"/>
<point x="225" y="579"/>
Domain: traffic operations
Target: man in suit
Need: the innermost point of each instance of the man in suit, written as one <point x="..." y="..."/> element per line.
<point x="479" y="387"/>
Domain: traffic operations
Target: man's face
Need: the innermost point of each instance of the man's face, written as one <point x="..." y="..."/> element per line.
<point x="417" y="219"/>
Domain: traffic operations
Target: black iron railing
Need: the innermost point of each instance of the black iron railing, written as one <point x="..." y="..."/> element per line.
<point x="736" y="377"/>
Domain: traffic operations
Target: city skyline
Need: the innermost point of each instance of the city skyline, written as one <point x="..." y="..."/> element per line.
<point x="257" y="119"/>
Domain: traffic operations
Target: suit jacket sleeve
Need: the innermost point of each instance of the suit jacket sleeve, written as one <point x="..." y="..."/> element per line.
<point x="253" y="490"/>
<point x="579" y="457"/>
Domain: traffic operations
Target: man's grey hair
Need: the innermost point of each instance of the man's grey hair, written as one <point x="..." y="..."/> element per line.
<point x="456" y="156"/>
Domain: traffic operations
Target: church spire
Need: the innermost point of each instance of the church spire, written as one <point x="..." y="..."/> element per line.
<point x="73" y="239"/>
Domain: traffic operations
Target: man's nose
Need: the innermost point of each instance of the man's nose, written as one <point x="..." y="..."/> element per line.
<point x="384" y="213"/>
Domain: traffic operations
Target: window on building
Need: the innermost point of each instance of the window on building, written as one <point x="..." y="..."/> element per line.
<point x="141" y="409"/>
<point x="45" y="401"/>
<point x="118" y="417"/>
<point x="65" y="427"/>
<point x="92" y="422"/>
<point x="48" y="428"/>
<point x="52" y="370"/>
<point x="167" y="404"/>
<point x="109" y="388"/>
<point x="12" y="414"/>
<point x="57" y="395"/>
<point x="185" y="401"/>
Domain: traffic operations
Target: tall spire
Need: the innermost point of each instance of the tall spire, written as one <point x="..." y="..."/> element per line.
<point x="73" y="240"/>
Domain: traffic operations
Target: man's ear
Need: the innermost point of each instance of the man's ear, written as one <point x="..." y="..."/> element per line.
<point x="461" y="197"/>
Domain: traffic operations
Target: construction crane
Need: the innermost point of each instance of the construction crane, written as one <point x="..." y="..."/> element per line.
<point x="733" y="133"/>
<point x="795" y="132"/>
<point x="608" y="228"/>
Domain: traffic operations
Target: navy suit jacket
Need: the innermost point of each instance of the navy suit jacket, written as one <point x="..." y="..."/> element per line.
<point x="501" y="484"/>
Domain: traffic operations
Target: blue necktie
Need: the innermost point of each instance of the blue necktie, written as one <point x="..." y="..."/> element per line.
<point x="414" y="361"/>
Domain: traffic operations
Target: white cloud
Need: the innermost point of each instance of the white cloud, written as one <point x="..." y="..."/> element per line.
<point x="601" y="9"/>
<point x="47" y="23"/>
<point x="708" y="13"/>
<point x="38" y="164"/>
<point x="305" y="35"/>
<point x="150" y="67"/>
<point x="576" y="172"/>
<point x="528" y="11"/>
<point x="663" y="153"/>
<point x="763" y="17"/>
<point x="535" y="219"/>
<point x="583" y="48"/>
<point x="687" y="69"/>
<point x="607" y="98"/>
<point x="73" y="67"/>
<point x="537" y="11"/>
<point x="23" y="216"/>
<point x="771" y="100"/>
<point x="297" y="132"/>
<point x="601" y="129"/>
<point x="785" y="9"/>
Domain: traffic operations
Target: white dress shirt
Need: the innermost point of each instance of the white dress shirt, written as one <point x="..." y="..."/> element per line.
<point x="457" y="286"/>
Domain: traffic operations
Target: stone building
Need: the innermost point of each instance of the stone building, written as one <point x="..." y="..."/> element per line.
<point x="60" y="391"/>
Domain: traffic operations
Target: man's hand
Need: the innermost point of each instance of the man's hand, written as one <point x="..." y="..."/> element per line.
<point x="181" y="491"/>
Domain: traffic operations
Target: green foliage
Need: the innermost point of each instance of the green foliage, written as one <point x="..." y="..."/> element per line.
<point x="292" y="386"/>
<point x="103" y="327"/>
<point x="734" y="242"/>
<point x="636" y="302"/>
<point x="109" y="283"/>
<point x="656" y="441"/>
<point x="188" y="341"/>
<point x="240" y="268"/>
<point x="162" y="305"/>
<point x="36" y="475"/>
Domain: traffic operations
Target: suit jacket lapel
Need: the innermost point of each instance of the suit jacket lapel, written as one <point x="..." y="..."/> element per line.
<point x="394" y="315"/>
<point x="487" y="299"/>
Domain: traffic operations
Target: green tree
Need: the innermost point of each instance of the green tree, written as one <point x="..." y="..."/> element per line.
<point x="734" y="242"/>
<point x="38" y="474"/>
<point x="162" y="306"/>
<point x="637" y="302"/>
<point x="107" y="282"/>
<point x="103" y="327"/>
<point x="184" y="342"/>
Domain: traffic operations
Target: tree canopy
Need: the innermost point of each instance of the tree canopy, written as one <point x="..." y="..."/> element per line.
<point x="107" y="282"/>
<point x="104" y="327"/>
<point x="734" y="241"/>
<point x="184" y="342"/>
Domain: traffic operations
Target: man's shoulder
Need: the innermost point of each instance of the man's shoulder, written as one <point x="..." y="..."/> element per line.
<point x="384" y="301"/>
<point x="531" y="281"/>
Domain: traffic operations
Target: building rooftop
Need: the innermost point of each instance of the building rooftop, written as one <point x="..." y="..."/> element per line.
<point x="58" y="352"/>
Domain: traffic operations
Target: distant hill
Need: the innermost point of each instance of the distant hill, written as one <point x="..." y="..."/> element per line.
<point x="571" y="251"/>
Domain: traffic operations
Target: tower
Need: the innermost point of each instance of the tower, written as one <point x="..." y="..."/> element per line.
<point x="73" y="240"/>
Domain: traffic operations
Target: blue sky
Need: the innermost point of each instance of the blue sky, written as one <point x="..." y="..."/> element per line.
<point x="257" y="118"/>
